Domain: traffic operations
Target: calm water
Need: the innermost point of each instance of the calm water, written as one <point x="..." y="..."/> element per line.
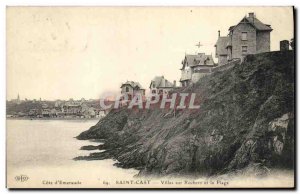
<point x="44" y="150"/>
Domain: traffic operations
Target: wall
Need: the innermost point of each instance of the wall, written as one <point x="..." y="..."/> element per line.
<point x="222" y="60"/>
<point x="197" y="76"/>
<point x="284" y="45"/>
<point x="185" y="83"/>
<point x="141" y="92"/>
<point x="229" y="53"/>
<point x="161" y="90"/>
<point x="237" y="41"/>
<point x="263" y="42"/>
<point x="186" y="74"/>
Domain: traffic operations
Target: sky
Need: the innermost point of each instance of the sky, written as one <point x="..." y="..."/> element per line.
<point x="87" y="52"/>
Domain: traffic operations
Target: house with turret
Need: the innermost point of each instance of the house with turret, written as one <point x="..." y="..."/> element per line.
<point x="131" y="88"/>
<point x="194" y="67"/>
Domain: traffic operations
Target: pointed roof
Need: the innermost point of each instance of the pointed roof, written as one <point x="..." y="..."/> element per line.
<point x="256" y="23"/>
<point x="201" y="59"/>
<point x="259" y="25"/>
<point x="221" y="45"/>
<point x="133" y="84"/>
<point x="161" y="82"/>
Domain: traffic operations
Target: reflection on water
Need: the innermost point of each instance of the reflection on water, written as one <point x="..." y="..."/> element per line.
<point x="46" y="148"/>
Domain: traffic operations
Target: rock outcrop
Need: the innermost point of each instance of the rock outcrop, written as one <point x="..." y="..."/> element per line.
<point x="246" y="119"/>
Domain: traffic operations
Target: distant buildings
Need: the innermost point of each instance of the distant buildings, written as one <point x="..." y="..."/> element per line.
<point x="131" y="88"/>
<point x="33" y="112"/>
<point x="194" y="67"/>
<point x="58" y="103"/>
<point x="249" y="36"/>
<point x="46" y="112"/>
<point x="70" y="108"/>
<point x="81" y="109"/>
<point x="160" y="85"/>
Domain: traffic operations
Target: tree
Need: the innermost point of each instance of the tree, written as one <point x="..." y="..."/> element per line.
<point x="292" y="43"/>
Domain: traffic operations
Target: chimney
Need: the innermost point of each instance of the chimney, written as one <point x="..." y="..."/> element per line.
<point x="174" y="83"/>
<point x="219" y="33"/>
<point x="284" y="45"/>
<point x="251" y="15"/>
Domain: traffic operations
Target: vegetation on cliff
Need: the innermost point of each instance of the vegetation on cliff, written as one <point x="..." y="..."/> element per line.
<point x="246" y="119"/>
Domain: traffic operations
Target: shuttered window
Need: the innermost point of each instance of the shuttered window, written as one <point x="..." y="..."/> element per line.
<point x="244" y="35"/>
<point x="244" y="50"/>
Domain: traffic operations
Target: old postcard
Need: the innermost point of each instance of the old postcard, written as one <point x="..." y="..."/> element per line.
<point x="150" y="97"/>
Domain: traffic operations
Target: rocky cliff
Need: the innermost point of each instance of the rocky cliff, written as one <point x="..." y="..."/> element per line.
<point x="246" y="119"/>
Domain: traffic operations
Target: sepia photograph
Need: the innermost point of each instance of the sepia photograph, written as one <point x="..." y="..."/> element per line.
<point x="141" y="97"/>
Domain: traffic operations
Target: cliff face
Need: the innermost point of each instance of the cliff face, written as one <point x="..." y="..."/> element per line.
<point x="246" y="117"/>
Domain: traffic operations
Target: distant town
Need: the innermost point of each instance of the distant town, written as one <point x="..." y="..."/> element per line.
<point x="58" y="109"/>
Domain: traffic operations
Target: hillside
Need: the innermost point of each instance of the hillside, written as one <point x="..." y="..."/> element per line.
<point x="13" y="108"/>
<point x="246" y="118"/>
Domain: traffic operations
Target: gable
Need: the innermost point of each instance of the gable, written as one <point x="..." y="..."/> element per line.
<point x="221" y="45"/>
<point x="244" y="26"/>
<point x="160" y="82"/>
<point x="254" y="22"/>
<point x="197" y="60"/>
<point x="132" y="84"/>
<point x="126" y="85"/>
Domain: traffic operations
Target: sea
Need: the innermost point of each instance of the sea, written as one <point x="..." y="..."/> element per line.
<point x="40" y="153"/>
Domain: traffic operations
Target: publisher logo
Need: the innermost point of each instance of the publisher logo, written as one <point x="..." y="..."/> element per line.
<point x="21" y="178"/>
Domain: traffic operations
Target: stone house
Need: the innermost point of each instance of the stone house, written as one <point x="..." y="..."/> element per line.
<point x="249" y="36"/>
<point x="131" y="88"/>
<point x="160" y="85"/>
<point x="194" y="67"/>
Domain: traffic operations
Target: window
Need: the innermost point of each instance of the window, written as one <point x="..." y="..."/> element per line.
<point x="244" y="50"/>
<point x="127" y="89"/>
<point x="244" y="35"/>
